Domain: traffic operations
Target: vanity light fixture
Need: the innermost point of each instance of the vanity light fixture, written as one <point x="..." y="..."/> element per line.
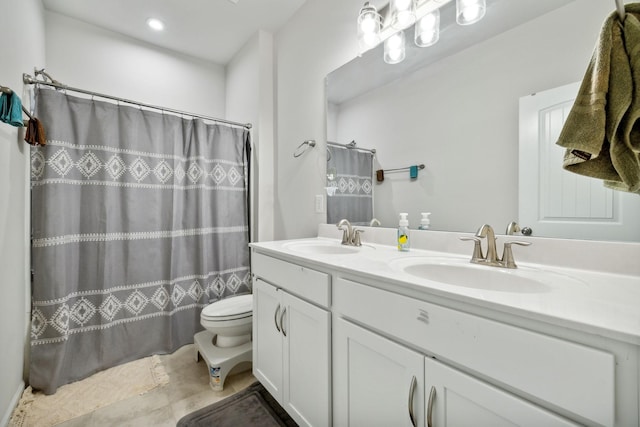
<point x="470" y="11"/>
<point x="155" y="24"/>
<point x="387" y="24"/>
<point x="368" y="27"/>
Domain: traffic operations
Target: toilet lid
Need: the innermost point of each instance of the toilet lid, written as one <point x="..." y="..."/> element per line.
<point x="232" y="307"/>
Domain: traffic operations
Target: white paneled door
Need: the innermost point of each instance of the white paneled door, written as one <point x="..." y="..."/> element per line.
<point x="554" y="202"/>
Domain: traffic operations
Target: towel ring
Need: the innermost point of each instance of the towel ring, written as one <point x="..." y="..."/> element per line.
<point x="310" y="143"/>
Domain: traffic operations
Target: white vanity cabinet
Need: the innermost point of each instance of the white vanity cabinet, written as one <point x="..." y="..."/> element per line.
<point x="341" y="341"/>
<point x="291" y="337"/>
<point x="457" y="399"/>
<point x="482" y="372"/>
<point x="378" y="382"/>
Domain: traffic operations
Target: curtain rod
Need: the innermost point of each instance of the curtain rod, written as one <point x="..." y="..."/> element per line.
<point x="27" y="79"/>
<point x="351" y="145"/>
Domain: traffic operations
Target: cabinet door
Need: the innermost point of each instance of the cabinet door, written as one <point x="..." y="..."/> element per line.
<point x="307" y="376"/>
<point x="267" y="339"/>
<point x="376" y="381"/>
<point x="455" y="399"/>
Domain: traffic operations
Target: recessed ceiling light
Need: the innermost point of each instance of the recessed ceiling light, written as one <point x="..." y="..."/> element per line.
<point x="155" y="24"/>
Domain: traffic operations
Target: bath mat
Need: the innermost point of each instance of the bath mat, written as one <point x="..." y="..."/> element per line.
<point x="81" y="397"/>
<point x="252" y="407"/>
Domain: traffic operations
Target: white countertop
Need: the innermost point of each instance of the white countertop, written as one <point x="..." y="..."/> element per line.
<point x="590" y="300"/>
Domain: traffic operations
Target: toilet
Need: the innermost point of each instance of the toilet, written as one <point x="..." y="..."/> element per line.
<point x="226" y="341"/>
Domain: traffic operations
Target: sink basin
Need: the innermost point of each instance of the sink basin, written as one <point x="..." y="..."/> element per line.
<point x="458" y="272"/>
<point x="321" y="247"/>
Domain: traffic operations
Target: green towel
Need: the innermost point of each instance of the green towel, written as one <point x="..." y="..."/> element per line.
<point x="600" y="134"/>
<point x="11" y="109"/>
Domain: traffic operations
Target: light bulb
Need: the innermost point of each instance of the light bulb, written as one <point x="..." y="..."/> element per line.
<point x="368" y="24"/>
<point x="155" y="24"/>
<point x="394" y="49"/>
<point x="395" y="41"/>
<point x="403" y="14"/>
<point x="370" y="39"/>
<point x="427" y="30"/>
<point x="470" y="11"/>
<point x="394" y="54"/>
<point x="427" y="23"/>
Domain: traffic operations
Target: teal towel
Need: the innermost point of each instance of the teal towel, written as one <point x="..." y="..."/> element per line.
<point x="11" y="109"/>
<point x="5" y="107"/>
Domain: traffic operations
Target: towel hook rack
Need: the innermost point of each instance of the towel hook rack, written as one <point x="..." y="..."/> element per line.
<point x="309" y="143"/>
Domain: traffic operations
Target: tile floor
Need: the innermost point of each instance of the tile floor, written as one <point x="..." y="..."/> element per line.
<point x="188" y="390"/>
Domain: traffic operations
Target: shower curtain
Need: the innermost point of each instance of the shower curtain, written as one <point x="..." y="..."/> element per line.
<point x="350" y="172"/>
<point x="139" y="219"/>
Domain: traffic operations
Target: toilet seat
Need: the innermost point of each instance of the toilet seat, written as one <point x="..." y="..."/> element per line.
<point x="233" y="308"/>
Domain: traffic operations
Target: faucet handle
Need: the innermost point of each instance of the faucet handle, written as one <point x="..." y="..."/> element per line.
<point x="356" y="236"/>
<point x="512" y="228"/>
<point x="477" y="249"/>
<point x="507" y="253"/>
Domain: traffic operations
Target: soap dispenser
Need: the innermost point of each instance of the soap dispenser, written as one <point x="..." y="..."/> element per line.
<point x="403" y="233"/>
<point x="425" y="222"/>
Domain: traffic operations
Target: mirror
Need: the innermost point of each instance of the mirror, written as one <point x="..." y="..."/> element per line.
<point x="455" y="108"/>
<point x="349" y="184"/>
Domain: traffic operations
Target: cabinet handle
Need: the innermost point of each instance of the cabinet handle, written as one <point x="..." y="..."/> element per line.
<point x="432" y="395"/>
<point x="412" y="390"/>
<point x="282" y="324"/>
<point x="275" y="317"/>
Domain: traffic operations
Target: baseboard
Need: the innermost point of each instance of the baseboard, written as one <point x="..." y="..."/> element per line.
<point x="14" y="402"/>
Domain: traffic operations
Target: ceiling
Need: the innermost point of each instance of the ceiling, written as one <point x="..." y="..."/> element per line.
<point x="213" y="30"/>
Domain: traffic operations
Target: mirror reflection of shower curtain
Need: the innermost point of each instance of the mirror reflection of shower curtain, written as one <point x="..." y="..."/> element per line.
<point x="350" y="172"/>
<point x="139" y="220"/>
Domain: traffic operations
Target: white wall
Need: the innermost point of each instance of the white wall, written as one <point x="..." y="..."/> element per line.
<point x="250" y="98"/>
<point x="307" y="51"/>
<point x="460" y="118"/>
<point x="319" y="38"/>
<point x="88" y="57"/>
<point x="19" y="53"/>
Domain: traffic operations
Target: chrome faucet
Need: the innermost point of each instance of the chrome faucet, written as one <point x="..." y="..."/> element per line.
<point x="491" y="258"/>
<point x="374" y="222"/>
<point x="350" y="235"/>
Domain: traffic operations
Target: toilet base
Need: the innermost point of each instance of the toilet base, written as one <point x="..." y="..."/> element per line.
<point x="220" y="360"/>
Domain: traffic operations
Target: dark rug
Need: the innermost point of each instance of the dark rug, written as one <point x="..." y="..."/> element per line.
<point x="252" y="407"/>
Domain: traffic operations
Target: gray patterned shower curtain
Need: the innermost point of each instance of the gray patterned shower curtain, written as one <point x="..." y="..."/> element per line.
<point x="353" y="195"/>
<point x="139" y="219"/>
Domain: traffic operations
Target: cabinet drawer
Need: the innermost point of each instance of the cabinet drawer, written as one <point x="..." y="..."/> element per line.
<point x="305" y="282"/>
<point x="566" y="375"/>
